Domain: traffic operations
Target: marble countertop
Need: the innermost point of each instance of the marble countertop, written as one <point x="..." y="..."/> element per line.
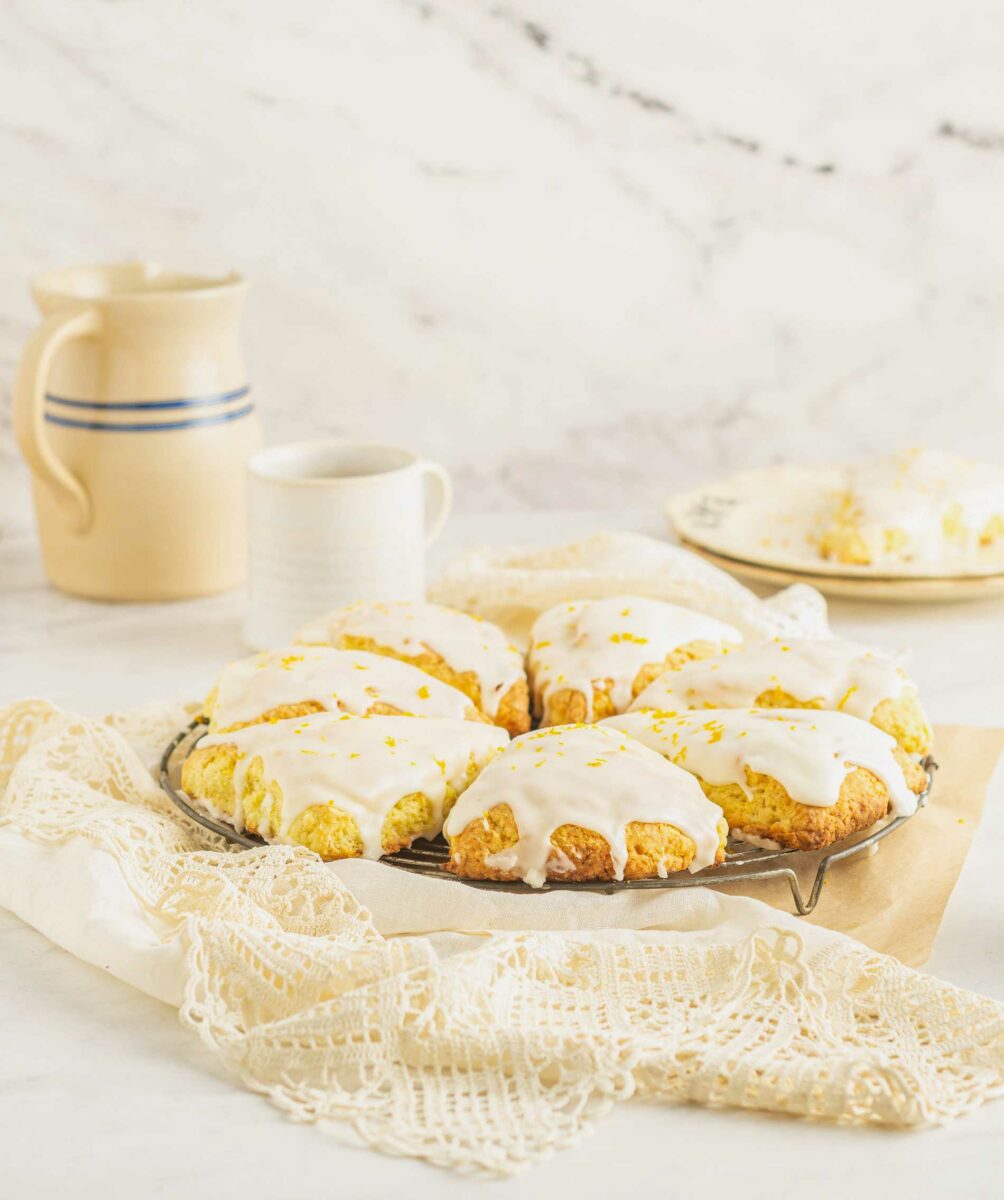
<point x="525" y="234"/>
<point x="103" y="1092"/>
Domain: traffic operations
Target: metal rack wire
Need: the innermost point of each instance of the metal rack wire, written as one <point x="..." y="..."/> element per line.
<point x="743" y="862"/>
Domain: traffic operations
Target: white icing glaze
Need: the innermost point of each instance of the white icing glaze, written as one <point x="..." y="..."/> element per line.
<point x="583" y="642"/>
<point x="840" y="675"/>
<point x="913" y="492"/>
<point x="591" y="777"/>
<point x="361" y="765"/>
<point x="342" y="680"/>
<point x="810" y="753"/>
<point x="466" y="643"/>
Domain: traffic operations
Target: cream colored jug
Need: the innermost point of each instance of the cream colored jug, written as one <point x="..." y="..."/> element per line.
<point x="133" y="411"/>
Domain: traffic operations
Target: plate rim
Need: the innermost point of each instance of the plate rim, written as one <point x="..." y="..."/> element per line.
<point x="925" y="589"/>
<point x="741" y="481"/>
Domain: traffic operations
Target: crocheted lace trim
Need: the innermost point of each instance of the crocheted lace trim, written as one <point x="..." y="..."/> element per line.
<point x="491" y="1057"/>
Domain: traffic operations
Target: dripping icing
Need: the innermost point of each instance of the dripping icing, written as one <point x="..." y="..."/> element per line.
<point x="582" y="642"/>
<point x="588" y="776"/>
<point x="466" y="643"/>
<point x="841" y="675"/>
<point x="809" y="752"/>
<point x="360" y="765"/>
<point x="347" y="680"/>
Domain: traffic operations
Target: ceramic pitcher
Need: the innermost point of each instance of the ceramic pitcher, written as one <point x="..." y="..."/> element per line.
<point x="133" y="411"/>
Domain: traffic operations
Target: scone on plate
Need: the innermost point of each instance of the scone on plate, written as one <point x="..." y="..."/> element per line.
<point x="796" y="777"/>
<point x="823" y="673"/>
<point x="581" y="802"/>
<point x="295" y="681"/>
<point x="462" y="651"/>
<point x="589" y="658"/>
<point x="914" y="507"/>
<point x="343" y="786"/>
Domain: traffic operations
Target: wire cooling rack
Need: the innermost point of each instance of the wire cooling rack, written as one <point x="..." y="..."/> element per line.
<point x="743" y="861"/>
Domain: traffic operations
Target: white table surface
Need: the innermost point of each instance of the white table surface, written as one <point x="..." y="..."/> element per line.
<point x="104" y="1094"/>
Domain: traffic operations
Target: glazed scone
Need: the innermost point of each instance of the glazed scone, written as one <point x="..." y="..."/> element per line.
<point x="294" y="681"/>
<point x="343" y="786"/>
<point x="799" y="673"/>
<point x="914" y="507"/>
<point x="798" y="777"/>
<point x="580" y="802"/>
<point x="462" y="651"/>
<point x="589" y="658"/>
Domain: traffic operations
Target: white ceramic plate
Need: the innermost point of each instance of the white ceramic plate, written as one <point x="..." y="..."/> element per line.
<point x="765" y="518"/>
<point x="899" y="591"/>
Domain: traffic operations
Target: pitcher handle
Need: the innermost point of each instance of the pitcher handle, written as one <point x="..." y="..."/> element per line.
<point x="29" y="409"/>
<point x="439" y="475"/>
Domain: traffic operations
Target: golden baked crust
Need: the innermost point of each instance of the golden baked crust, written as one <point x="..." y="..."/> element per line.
<point x="993" y="530"/>
<point x="580" y="855"/>
<point x="902" y="717"/>
<point x="208" y="775"/>
<point x="513" y="713"/>
<point x="771" y="813"/>
<point x="567" y="706"/>
<point x="843" y="540"/>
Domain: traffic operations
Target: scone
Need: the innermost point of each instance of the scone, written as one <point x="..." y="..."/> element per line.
<point x="799" y="673"/>
<point x="462" y="651"/>
<point x="589" y="658"/>
<point x="343" y="786"/>
<point x="294" y="681"/>
<point x="580" y="802"/>
<point x="796" y="777"/>
<point x="914" y="507"/>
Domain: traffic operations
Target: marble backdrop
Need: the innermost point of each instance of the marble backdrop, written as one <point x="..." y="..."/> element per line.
<point x="582" y="251"/>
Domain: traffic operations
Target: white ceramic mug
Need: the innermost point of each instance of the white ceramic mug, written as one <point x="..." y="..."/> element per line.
<point x="333" y="522"/>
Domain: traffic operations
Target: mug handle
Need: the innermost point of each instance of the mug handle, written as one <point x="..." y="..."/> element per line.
<point x="439" y="475"/>
<point x="29" y="409"/>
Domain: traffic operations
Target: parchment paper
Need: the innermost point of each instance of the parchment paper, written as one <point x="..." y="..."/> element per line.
<point x="893" y="900"/>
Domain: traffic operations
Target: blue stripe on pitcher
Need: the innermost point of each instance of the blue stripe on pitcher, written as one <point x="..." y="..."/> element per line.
<point x="135" y="405"/>
<point x="153" y="426"/>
